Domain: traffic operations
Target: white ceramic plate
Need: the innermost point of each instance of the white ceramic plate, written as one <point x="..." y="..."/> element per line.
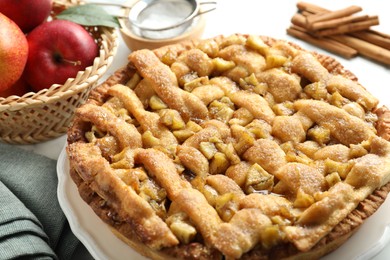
<point x="368" y="241"/>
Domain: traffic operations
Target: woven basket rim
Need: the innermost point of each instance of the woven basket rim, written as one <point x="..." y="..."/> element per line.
<point x="72" y="85"/>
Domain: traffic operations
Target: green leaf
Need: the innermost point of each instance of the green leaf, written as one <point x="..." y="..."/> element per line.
<point x="89" y="15"/>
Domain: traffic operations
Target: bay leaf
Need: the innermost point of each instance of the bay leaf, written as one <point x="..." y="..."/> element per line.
<point x="89" y="15"/>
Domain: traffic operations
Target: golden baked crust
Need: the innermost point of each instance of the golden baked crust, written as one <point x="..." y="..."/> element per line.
<point x="240" y="146"/>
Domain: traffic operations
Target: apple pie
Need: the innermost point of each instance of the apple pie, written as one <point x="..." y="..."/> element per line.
<point x="235" y="147"/>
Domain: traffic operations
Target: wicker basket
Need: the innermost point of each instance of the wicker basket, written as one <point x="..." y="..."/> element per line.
<point x="37" y="117"/>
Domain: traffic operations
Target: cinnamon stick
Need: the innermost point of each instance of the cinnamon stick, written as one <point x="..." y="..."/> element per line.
<point x="350" y="34"/>
<point x="384" y="35"/>
<point x="299" y="20"/>
<point x="351" y="27"/>
<point x="327" y="44"/>
<point x="333" y="14"/>
<point x="311" y="8"/>
<point x="305" y="13"/>
<point x="373" y="37"/>
<point x="337" y="22"/>
<point x="364" y="48"/>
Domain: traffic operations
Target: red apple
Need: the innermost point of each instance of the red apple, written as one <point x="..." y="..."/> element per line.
<point x="13" y="52"/>
<point x="27" y="14"/>
<point x="58" y="50"/>
<point x="19" y="89"/>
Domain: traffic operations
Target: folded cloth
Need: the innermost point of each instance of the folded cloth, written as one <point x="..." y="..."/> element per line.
<point x="32" y="224"/>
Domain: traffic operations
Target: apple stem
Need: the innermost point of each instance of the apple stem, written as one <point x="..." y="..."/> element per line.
<point x="58" y="58"/>
<point x="74" y="63"/>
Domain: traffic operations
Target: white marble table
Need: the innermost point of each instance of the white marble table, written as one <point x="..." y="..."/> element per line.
<point x="271" y="18"/>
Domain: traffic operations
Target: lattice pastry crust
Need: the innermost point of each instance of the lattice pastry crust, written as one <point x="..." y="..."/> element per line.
<point x="240" y="146"/>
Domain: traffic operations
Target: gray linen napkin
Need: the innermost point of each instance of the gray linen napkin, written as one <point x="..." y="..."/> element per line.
<point x="32" y="224"/>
